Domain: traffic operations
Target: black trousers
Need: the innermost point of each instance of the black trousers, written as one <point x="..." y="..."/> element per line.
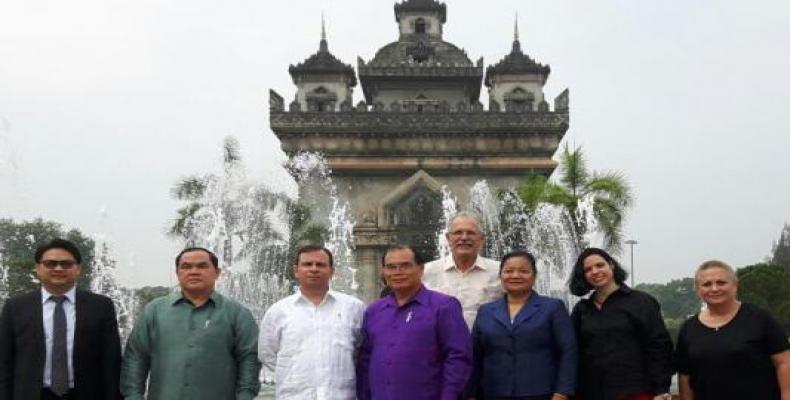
<point x="47" y="394"/>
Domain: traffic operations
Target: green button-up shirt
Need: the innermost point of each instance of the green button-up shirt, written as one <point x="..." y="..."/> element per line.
<point x="195" y="353"/>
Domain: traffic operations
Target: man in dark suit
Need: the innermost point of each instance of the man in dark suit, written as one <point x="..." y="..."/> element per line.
<point x="59" y="342"/>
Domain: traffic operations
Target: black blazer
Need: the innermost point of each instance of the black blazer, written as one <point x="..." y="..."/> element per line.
<point x="96" y="355"/>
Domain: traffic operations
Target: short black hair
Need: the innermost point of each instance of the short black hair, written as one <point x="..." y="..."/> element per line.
<point x="522" y="254"/>
<point x="311" y="248"/>
<point x="419" y="259"/>
<point x="211" y="255"/>
<point x="58" y="243"/>
<point x="578" y="285"/>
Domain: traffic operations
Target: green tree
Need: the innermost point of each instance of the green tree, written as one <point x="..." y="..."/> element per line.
<point x="609" y="192"/>
<point x="768" y="286"/>
<point x="18" y="242"/>
<point x="781" y="249"/>
<point x="677" y="297"/>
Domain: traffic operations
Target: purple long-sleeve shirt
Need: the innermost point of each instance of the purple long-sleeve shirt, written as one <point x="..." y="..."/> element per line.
<point x="421" y="350"/>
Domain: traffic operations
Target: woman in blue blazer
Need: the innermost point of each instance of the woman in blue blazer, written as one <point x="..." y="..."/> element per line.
<point x="524" y="343"/>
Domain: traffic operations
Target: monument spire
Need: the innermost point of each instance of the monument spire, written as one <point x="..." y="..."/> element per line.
<point x="516" y="43"/>
<point x="515" y="28"/>
<point x="323" y="46"/>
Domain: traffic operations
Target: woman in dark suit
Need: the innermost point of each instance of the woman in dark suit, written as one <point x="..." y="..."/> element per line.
<point x="524" y="345"/>
<point x="625" y="352"/>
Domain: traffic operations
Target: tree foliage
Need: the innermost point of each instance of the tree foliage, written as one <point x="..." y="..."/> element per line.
<point x="677" y="297"/>
<point x="18" y="242"/>
<point x="610" y="193"/>
<point x="768" y="286"/>
<point x="240" y="220"/>
<point x="781" y="249"/>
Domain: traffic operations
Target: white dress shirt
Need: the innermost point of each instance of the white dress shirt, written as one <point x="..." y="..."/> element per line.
<point x="473" y="288"/>
<point x="48" y="308"/>
<point x="312" y="348"/>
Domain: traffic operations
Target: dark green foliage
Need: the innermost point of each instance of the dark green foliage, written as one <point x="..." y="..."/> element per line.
<point x="768" y="286"/>
<point x="610" y="192"/>
<point x="677" y="298"/>
<point x="145" y="294"/>
<point x="781" y="250"/>
<point x="18" y="242"/>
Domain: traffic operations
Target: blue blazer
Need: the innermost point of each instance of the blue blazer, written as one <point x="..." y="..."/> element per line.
<point x="534" y="355"/>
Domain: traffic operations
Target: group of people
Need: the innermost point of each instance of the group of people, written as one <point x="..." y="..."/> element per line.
<point x="463" y="327"/>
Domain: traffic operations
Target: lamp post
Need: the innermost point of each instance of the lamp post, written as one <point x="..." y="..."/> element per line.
<point x="632" y="242"/>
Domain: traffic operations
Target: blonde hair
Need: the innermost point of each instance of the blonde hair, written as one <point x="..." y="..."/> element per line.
<point x="716" y="264"/>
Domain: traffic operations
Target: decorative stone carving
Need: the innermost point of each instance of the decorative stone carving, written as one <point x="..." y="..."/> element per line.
<point x="346" y="106"/>
<point x="493" y="105"/>
<point x="295" y="106"/>
<point x="543" y="106"/>
<point x="276" y="102"/>
<point x="362" y="107"/>
<point x="378" y="106"/>
<point x="561" y="102"/>
<point x="395" y="106"/>
<point x="369" y="218"/>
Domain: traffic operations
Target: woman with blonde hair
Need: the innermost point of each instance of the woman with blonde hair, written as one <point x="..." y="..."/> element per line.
<point x="730" y="350"/>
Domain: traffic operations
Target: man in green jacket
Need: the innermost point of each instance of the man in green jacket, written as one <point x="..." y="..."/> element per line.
<point x="194" y="343"/>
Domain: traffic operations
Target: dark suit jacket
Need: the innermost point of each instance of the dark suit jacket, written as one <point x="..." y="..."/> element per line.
<point x="535" y="355"/>
<point x="96" y="355"/>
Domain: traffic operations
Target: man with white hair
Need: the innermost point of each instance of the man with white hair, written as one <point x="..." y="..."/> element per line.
<point x="464" y="274"/>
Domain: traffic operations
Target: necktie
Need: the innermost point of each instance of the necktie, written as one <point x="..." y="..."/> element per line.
<point x="60" y="365"/>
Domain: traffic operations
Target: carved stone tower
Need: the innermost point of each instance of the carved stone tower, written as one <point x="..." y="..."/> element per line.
<point x="421" y="127"/>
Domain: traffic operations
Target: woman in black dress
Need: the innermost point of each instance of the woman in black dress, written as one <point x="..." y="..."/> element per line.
<point x="625" y="352"/>
<point x="730" y="350"/>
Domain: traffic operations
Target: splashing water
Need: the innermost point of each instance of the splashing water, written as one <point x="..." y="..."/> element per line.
<point x="448" y="210"/>
<point x="104" y="282"/>
<point x="314" y="176"/>
<point x="548" y="232"/>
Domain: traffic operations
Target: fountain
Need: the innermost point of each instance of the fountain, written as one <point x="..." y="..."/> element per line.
<point x="104" y="282"/>
<point x="548" y="232"/>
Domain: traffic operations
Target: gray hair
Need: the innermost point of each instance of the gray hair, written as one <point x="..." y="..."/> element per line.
<point x="710" y="264"/>
<point x="464" y="214"/>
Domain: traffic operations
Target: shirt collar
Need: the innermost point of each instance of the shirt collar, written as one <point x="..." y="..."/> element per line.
<point x="300" y="298"/>
<point x="449" y="263"/>
<point x="70" y="295"/>
<point x="421" y="297"/>
<point x="177" y="296"/>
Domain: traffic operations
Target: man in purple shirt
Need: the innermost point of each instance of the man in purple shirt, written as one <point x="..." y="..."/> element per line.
<point x="416" y="344"/>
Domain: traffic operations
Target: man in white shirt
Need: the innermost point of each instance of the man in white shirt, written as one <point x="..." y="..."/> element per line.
<point x="310" y="338"/>
<point x="465" y="275"/>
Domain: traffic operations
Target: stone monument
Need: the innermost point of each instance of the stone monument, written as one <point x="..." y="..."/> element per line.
<point x="421" y="127"/>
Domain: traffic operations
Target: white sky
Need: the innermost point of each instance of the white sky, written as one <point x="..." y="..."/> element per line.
<point x="107" y="103"/>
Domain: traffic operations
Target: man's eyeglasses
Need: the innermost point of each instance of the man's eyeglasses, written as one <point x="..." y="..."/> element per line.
<point x="399" y="267"/>
<point x="64" y="264"/>
<point x="461" y="233"/>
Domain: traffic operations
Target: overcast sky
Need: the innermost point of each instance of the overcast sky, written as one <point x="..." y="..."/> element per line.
<point x="104" y="104"/>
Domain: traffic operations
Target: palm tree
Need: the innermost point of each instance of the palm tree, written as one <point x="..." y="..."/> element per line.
<point x="609" y="192"/>
<point x="240" y="218"/>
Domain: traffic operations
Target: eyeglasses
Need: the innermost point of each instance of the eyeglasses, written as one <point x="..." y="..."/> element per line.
<point x="64" y="264"/>
<point x="399" y="267"/>
<point x="460" y="233"/>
